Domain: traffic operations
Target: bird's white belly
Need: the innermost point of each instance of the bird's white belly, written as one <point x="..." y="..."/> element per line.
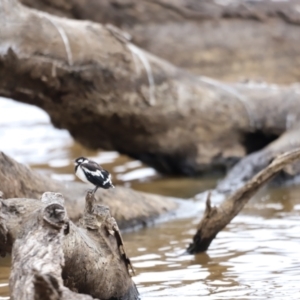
<point x="80" y="174"/>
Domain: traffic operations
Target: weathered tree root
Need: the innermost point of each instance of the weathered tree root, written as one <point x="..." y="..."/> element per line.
<point x="129" y="207"/>
<point x="37" y="255"/>
<point x="95" y="262"/>
<point x="216" y="218"/>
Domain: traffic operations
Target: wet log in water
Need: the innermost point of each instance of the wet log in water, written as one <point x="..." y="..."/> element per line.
<point x="111" y="94"/>
<point x="48" y="249"/>
<point x="261" y="36"/>
<point x="129" y="208"/>
<point x="216" y="218"/>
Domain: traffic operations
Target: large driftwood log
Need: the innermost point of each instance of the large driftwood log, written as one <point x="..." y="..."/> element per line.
<point x="261" y="36"/>
<point x="37" y="257"/>
<point x="108" y="93"/>
<point x="129" y="208"/>
<point x="95" y="261"/>
<point x="216" y="218"/>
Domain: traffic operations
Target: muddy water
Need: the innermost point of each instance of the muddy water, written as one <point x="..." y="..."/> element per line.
<point x="256" y="257"/>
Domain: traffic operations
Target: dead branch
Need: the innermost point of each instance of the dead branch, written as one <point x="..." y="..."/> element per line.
<point x="216" y="218"/>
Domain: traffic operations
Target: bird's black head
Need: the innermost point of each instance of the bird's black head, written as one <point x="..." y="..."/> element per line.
<point x="80" y="160"/>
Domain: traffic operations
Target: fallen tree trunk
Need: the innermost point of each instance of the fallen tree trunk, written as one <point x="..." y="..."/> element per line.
<point x="129" y="208"/>
<point x="216" y="218"/>
<point x="95" y="261"/>
<point x="114" y="95"/>
<point x="261" y="36"/>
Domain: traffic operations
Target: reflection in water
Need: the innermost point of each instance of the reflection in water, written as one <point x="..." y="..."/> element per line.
<point x="255" y="257"/>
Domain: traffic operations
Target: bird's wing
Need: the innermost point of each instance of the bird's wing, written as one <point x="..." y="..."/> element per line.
<point x="95" y="164"/>
<point x="93" y="169"/>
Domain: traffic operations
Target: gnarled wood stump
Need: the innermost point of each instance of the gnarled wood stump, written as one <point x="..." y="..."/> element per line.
<point x="38" y="258"/>
<point x="91" y="254"/>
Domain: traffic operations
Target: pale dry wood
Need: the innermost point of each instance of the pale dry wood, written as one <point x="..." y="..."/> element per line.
<point x="37" y="255"/>
<point x="261" y="36"/>
<point x="95" y="261"/>
<point x="216" y="218"/>
<point x="99" y="236"/>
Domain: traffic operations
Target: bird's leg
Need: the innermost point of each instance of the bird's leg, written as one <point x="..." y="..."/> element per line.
<point x="95" y="190"/>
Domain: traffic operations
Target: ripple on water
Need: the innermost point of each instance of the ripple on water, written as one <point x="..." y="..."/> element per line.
<point x="253" y="258"/>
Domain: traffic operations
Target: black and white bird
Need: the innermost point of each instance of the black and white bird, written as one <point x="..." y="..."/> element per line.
<point x="91" y="172"/>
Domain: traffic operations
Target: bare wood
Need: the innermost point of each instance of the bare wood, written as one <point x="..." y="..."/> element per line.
<point x="129" y="208"/>
<point x="216" y="218"/>
<point x="110" y="276"/>
<point x="37" y="255"/>
<point x="123" y="98"/>
<point x="260" y="35"/>
<point x="95" y="262"/>
<point x="108" y="223"/>
<point x="250" y="165"/>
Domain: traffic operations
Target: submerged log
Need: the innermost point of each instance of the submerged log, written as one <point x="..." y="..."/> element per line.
<point x="216" y="218"/>
<point x="109" y="93"/>
<point x="129" y="208"/>
<point x="91" y="254"/>
<point x="261" y="36"/>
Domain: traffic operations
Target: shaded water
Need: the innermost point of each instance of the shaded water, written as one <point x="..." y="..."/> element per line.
<point x="255" y="257"/>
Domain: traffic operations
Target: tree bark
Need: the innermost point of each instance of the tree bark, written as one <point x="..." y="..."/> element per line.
<point x="113" y="95"/>
<point x="37" y="257"/>
<point x="130" y="208"/>
<point x="261" y="36"/>
<point x="92" y="255"/>
<point x="216" y="218"/>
